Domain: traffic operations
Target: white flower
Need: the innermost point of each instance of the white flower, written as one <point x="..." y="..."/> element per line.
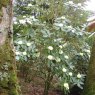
<point x="24" y="16"/>
<point x="50" y="57"/>
<point x="15" y="22"/>
<point x="58" y="59"/>
<point x="79" y="4"/>
<point x="66" y="85"/>
<point x="89" y="56"/>
<point x="64" y="70"/>
<point x="73" y="31"/>
<point x="28" y="44"/>
<point x="70" y="2"/>
<point x="64" y="45"/>
<point x="70" y="73"/>
<point x="29" y="21"/>
<point x="70" y="27"/>
<point x="60" y="52"/>
<point x="38" y="54"/>
<point x="60" y="46"/>
<point x="79" y="75"/>
<point x="66" y="57"/>
<point x="88" y="51"/>
<point x="60" y="25"/>
<point x="63" y="17"/>
<point x="50" y="48"/>
<point x="32" y="17"/>
<point x="29" y="5"/>
<point x="81" y="14"/>
<point x="22" y="21"/>
<point x="24" y="53"/>
<point x="20" y="42"/>
<point x="81" y="54"/>
<point x="17" y="53"/>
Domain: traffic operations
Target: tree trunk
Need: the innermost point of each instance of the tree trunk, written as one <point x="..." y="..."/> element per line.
<point x="89" y="88"/>
<point x="8" y="78"/>
<point x="48" y="83"/>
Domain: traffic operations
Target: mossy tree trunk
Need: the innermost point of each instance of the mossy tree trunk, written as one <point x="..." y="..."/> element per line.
<point x="8" y="78"/>
<point x="89" y="88"/>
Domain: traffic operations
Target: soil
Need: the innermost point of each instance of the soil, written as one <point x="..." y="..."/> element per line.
<point x="32" y="89"/>
<point x="37" y="89"/>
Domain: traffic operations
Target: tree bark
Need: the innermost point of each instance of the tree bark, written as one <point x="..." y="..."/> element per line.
<point x="8" y="77"/>
<point x="89" y="88"/>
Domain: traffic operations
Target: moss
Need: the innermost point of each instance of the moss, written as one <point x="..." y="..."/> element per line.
<point x="3" y="3"/>
<point x="0" y="14"/>
<point x="89" y="88"/>
<point x="10" y="86"/>
<point x="4" y="83"/>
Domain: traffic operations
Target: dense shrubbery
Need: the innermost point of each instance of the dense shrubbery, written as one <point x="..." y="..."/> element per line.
<point x="54" y="47"/>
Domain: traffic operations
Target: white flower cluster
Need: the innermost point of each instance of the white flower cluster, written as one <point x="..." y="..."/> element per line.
<point x="50" y="57"/>
<point x="70" y="27"/>
<point x="66" y="85"/>
<point x="64" y="70"/>
<point x="59" y="24"/>
<point x="27" y="19"/>
<point x="71" y="2"/>
<point x="79" y="75"/>
<point x="63" y="17"/>
<point x="86" y="50"/>
<point x="70" y="73"/>
<point x="81" y="54"/>
<point x="65" y="44"/>
<point x="22" y="21"/>
<point x="24" y="53"/>
<point x="30" y="5"/>
<point x="60" y="46"/>
<point x="15" y="22"/>
<point x="28" y="44"/>
<point x="20" y="42"/>
<point x="50" y="48"/>
<point x="60" y="52"/>
<point x="66" y="57"/>
<point x="24" y="16"/>
<point x="79" y="4"/>
<point x="58" y="59"/>
<point x="19" y="53"/>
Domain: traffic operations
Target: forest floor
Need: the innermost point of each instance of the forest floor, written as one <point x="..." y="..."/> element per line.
<point x="33" y="89"/>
